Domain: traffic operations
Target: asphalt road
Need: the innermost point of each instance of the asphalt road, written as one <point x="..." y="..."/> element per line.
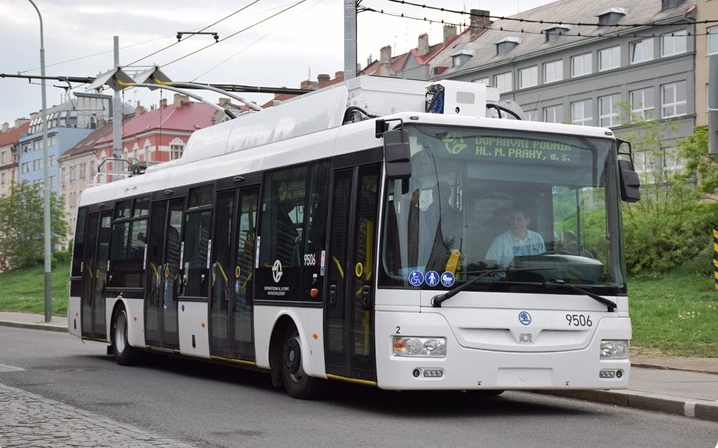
<point x="213" y="406"/>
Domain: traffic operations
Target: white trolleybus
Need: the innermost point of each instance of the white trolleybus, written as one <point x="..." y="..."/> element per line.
<point x="382" y="232"/>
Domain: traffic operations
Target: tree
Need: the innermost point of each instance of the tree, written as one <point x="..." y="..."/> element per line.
<point x="665" y="229"/>
<point x="700" y="165"/>
<point x="22" y="224"/>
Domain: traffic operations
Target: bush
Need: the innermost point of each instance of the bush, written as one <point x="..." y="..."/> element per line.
<point x="677" y="236"/>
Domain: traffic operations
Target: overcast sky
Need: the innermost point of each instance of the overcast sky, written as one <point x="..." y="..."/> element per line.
<point x="298" y="44"/>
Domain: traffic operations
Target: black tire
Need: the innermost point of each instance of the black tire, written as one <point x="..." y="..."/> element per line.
<point x="125" y="355"/>
<point x="296" y="381"/>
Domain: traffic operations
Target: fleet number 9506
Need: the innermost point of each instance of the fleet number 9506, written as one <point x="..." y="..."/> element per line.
<point x="579" y="320"/>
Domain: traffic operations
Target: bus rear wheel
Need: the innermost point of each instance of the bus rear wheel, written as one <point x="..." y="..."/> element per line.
<point x="124" y="353"/>
<point x="296" y="381"/>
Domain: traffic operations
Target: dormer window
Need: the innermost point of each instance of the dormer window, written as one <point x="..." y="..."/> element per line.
<point x="611" y="16"/>
<point x="461" y="57"/>
<point x="556" y="31"/>
<point x="505" y="45"/>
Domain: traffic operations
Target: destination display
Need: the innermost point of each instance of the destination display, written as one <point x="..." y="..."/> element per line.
<point x="512" y="149"/>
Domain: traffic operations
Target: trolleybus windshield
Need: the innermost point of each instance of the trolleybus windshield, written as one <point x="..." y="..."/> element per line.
<point x="467" y="186"/>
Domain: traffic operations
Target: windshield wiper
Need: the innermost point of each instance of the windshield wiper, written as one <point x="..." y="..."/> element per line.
<point x="609" y="303"/>
<point x="438" y="299"/>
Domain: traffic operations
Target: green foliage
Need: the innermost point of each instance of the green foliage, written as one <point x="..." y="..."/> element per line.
<point x="668" y="228"/>
<point x="699" y="164"/>
<point x="22" y="224"/>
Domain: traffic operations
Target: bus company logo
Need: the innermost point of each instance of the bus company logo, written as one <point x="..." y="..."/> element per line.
<point x="454" y="143"/>
<point x="524" y="318"/>
<point x="277" y="271"/>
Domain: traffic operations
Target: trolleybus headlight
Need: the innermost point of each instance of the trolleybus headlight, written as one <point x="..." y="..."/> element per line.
<point x="614" y="349"/>
<point x="411" y="346"/>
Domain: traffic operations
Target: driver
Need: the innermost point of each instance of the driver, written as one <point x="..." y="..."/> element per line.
<point x="518" y="240"/>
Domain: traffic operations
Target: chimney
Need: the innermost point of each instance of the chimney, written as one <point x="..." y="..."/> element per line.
<point x="385" y="54"/>
<point x="307" y="85"/>
<point x="5" y="127"/>
<point x="480" y="21"/>
<point x="163" y="102"/>
<point x="449" y="32"/>
<point x="323" y="79"/>
<point x="423" y="46"/>
<point x="339" y="75"/>
<point x="180" y="100"/>
<point x="224" y="102"/>
<point x="139" y="110"/>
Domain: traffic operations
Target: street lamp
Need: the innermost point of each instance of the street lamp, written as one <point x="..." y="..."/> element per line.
<point x="46" y="179"/>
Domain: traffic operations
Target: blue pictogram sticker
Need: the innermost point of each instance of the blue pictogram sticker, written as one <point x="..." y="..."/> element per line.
<point x="524" y="318"/>
<point x="447" y="279"/>
<point x="432" y="278"/>
<point x="416" y="278"/>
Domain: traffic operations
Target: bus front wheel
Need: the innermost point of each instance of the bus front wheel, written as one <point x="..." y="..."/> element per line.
<point x="296" y="381"/>
<point x="124" y="353"/>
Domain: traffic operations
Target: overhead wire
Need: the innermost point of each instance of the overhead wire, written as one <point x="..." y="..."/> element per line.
<point x="199" y="31"/>
<point x="550" y="22"/>
<point x="248" y="45"/>
<point x="236" y="33"/>
<point x="617" y="34"/>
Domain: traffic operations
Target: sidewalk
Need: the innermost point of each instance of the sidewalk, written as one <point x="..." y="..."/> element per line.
<point x="681" y="386"/>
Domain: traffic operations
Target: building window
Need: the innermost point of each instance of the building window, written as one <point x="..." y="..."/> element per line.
<point x="609" y="113"/>
<point x="553" y="71"/>
<point x="674" y="99"/>
<point x="504" y="82"/>
<point x="713" y="40"/>
<point x="642" y="51"/>
<point x="674" y="43"/>
<point x="670" y="4"/>
<point x="581" y="65"/>
<point x="581" y="112"/>
<point x="553" y="114"/>
<point x="176" y="151"/>
<point x="3" y="179"/>
<point x="642" y="104"/>
<point x="530" y="115"/>
<point x="37" y="164"/>
<point x="484" y="81"/>
<point x="528" y="77"/>
<point x="609" y="58"/>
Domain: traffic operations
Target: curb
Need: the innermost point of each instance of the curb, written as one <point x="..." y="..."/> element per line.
<point x="35" y="326"/>
<point x="693" y="408"/>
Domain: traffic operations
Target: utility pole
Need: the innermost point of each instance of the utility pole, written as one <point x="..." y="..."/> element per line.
<point x="117" y="108"/>
<point x="350" y="39"/>
<point x="46" y="180"/>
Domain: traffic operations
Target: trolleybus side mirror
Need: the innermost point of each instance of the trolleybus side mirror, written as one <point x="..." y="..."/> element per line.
<point x="398" y="157"/>
<point x="630" y="183"/>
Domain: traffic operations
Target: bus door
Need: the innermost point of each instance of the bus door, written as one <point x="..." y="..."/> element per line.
<point x="163" y="273"/>
<point x="231" y="295"/>
<point x="94" y="274"/>
<point x="349" y="305"/>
